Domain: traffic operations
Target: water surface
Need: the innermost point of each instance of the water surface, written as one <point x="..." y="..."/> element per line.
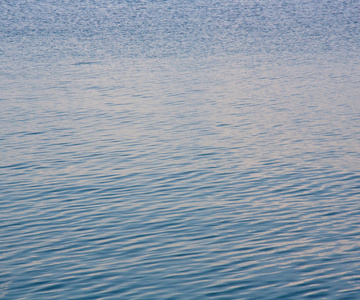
<point x="180" y="149"/>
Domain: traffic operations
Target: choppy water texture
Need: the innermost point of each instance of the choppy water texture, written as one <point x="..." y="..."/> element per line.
<point x="180" y="149"/>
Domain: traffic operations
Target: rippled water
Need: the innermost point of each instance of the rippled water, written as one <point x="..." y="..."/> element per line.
<point x="180" y="149"/>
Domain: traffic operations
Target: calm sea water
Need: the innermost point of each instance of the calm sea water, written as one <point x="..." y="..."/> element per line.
<point x="180" y="149"/>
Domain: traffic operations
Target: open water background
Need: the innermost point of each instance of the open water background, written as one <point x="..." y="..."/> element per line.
<point x="180" y="149"/>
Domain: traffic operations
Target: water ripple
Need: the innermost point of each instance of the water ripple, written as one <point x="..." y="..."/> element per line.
<point x="179" y="150"/>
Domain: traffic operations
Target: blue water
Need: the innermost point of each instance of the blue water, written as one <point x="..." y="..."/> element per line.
<point x="180" y="149"/>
